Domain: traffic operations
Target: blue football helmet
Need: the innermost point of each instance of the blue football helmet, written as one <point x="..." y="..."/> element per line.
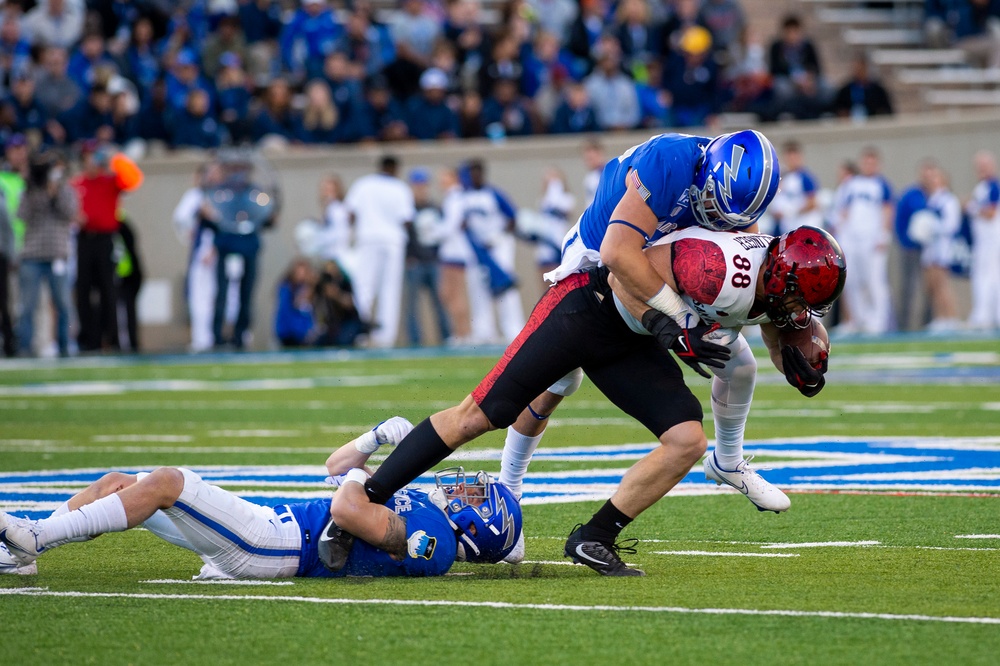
<point x="735" y="181"/>
<point x="484" y="512"/>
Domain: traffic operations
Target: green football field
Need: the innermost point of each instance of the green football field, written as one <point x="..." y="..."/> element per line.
<point x="890" y="553"/>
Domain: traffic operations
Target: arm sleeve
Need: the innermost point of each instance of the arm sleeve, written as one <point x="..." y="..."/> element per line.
<point x="994" y="195"/>
<point x="808" y="183"/>
<point x="505" y="205"/>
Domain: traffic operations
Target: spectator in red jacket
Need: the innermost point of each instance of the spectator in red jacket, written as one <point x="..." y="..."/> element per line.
<point x="99" y="187"/>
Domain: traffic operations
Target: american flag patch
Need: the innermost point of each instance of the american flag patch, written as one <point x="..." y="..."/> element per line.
<point x="643" y="192"/>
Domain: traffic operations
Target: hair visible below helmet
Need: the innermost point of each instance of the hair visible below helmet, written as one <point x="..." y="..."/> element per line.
<point x="804" y="268"/>
<point x="488" y="531"/>
<point x="735" y="181"/>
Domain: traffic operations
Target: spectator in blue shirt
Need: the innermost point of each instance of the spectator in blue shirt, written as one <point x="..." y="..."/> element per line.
<point x="367" y="43"/>
<point x="124" y="122"/>
<point x="87" y="57"/>
<point x="193" y="127"/>
<point x="545" y="66"/>
<point x="232" y="91"/>
<point x="15" y="52"/>
<point x="294" y="322"/>
<point x="654" y="101"/>
<point x="31" y="116"/>
<point x="320" y="121"/>
<point x="382" y="116"/>
<point x="274" y="118"/>
<point x="89" y="119"/>
<point x="153" y="119"/>
<point x="345" y="89"/>
<point x="142" y="65"/>
<point x="308" y="38"/>
<point x="184" y="77"/>
<point x="506" y="109"/>
<point x="912" y="201"/>
<point x="428" y="116"/>
<point x="574" y="114"/>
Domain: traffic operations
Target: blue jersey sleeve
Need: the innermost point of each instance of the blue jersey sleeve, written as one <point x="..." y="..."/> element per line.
<point x="886" y="191"/>
<point x="504" y="204"/>
<point x="663" y="177"/>
<point x="809" y="184"/>
<point x="993" y="197"/>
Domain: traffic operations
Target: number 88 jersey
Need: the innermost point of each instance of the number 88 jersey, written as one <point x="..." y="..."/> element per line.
<point x="716" y="273"/>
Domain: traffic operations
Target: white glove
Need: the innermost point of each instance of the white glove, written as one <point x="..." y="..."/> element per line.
<point x="392" y="431"/>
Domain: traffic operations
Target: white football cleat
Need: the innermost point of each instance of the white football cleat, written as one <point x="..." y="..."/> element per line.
<point x="392" y="431"/>
<point x="516" y="556"/>
<point x="8" y="565"/>
<point x="745" y="479"/>
<point x="20" y="535"/>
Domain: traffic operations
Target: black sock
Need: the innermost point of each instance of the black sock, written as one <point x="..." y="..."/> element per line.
<point x="607" y="523"/>
<point x="418" y="452"/>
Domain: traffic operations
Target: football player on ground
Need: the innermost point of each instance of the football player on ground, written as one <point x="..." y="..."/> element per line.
<point x="465" y="518"/>
<point x="590" y="321"/>
<point x="671" y="182"/>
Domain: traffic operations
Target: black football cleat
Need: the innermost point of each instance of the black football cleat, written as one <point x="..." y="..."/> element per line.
<point x="334" y="546"/>
<point x="601" y="556"/>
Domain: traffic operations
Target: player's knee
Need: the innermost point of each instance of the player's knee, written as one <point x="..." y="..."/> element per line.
<point x="112" y="482"/>
<point x="167" y="483"/>
<point x="687" y="440"/>
<point x="471" y="422"/>
<point x="564" y="388"/>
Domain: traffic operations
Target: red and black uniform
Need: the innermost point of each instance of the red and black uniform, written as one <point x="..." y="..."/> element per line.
<point x="98" y="195"/>
<point x="576" y="325"/>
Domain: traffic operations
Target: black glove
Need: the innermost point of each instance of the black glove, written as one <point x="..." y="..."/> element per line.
<point x="334" y="546"/>
<point x="800" y="374"/>
<point x="687" y="343"/>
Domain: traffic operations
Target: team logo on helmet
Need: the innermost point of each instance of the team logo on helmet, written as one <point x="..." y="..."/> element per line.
<point x="730" y="174"/>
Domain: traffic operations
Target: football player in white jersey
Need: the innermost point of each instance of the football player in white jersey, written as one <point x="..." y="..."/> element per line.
<point x="863" y="222"/>
<point x="380" y="205"/>
<point x="795" y="203"/>
<point x="984" y="209"/>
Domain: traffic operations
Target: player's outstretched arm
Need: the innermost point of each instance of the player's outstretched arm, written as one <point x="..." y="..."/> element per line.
<point x="357" y="451"/>
<point x="355" y="514"/>
<point x="632" y="224"/>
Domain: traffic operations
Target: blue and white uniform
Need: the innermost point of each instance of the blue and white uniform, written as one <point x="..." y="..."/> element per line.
<point x="239" y="539"/>
<point x="487" y="213"/>
<point x="860" y="227"/>
<point x="984" y="209"/>
<point x="947" y="210"/>
<point x="662" y="170"/>
<point x="797" y="189"/>
<point x="431" y="542"/>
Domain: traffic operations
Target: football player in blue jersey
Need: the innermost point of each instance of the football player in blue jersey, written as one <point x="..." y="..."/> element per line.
<point x="466" y="517"/>
<point x="671" y="182"/>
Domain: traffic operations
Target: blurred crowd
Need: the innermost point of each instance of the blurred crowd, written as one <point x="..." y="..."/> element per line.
<point x="938" y="235"/>
<point x="205" y="73"/>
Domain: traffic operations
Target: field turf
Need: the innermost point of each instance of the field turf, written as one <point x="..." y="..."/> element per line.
<point x="888" y="563"/>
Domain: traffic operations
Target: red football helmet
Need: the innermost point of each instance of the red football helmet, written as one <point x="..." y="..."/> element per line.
<point x="803" y="275"/>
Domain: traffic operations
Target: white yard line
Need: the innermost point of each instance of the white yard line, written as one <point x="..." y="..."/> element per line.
<point x="897" y="617"/>
<point x="183" y="581"/>
<point x="823" y="544"/>
<point x="977" y="536"/>
<point x="713" y="553"/>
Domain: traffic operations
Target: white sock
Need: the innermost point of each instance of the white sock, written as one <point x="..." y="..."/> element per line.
<point x="105" y="515"/>
<point x="61" y="509"/>
<point x="517" y="451"/>
<point x="730" y="424"/>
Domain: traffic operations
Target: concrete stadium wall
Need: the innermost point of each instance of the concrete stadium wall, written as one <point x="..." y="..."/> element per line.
<point x="514" y="165"/>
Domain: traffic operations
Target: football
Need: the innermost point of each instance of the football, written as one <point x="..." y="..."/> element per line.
<point x="812" y="341"/>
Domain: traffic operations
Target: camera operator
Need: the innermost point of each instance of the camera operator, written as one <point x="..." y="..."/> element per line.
<point x="48" y="208"/>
